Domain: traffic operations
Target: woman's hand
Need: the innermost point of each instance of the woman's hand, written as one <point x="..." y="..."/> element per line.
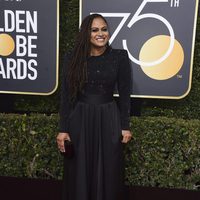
<point x="126" y="136"/>
<point x="61" y="137"/>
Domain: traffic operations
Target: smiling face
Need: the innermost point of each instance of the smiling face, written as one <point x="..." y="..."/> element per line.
<point x="99" y="34"/>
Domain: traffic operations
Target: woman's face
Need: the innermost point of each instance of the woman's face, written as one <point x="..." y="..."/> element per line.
<point x="99" y="33"/>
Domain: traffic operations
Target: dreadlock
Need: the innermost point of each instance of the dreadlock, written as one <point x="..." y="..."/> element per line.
<point x="77" y="70"/>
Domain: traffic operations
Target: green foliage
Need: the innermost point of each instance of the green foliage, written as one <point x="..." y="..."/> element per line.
<point x="164" y="152"/>
<point x="28" y="146"/>
<point x="69" y="22"/>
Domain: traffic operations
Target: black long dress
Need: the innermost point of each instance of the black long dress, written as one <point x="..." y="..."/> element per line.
<point x="96" y="171"/>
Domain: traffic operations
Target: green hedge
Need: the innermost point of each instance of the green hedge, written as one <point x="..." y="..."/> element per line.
<point x="163" y="152"/>
<point x="28" y="146"/>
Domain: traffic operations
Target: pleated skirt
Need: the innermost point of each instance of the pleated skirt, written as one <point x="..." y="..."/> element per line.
<point x="96" y="172"/>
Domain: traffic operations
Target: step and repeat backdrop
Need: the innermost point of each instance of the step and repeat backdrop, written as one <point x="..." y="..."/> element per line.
<point x="29" y="46"/>
<point x="159" y="36"/>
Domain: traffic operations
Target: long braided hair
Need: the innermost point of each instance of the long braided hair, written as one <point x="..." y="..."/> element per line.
<point x="77" y="70"/>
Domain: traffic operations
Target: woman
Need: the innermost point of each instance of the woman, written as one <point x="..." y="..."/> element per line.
<point x="89" y="116"/>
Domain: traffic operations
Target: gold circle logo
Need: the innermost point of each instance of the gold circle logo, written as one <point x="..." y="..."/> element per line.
<point x="156" y="47"/>
<point x="7" y="44"/>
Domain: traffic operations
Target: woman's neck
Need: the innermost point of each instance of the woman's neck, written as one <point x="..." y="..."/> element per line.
<point x="97" y="51"/>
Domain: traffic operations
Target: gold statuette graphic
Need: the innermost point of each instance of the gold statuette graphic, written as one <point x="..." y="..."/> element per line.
<point x="7" y="44"/>
<point x="155" y="48"/>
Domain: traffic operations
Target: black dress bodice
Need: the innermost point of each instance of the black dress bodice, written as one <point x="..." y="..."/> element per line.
<point x="105" y="73"/>
<point x="102" y="74"/>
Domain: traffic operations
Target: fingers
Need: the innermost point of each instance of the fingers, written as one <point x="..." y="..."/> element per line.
<point x="126" y="136"/>
<point x="126" y="139"/>
<point x="60" y="140"/>
<point x="61" y="146"/>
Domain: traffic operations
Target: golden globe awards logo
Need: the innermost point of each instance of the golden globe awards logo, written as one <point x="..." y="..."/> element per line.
<point x="29" y="32"/>
<point x="167" y="68"/>
<point x="24" y="65"/>
<point x="159" y="37"/>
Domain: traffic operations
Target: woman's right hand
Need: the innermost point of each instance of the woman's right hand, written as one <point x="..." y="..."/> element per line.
<point x="61" y="137"/>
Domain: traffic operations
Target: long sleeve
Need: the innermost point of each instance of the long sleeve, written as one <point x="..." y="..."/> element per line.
<point x="65" y="105"/>
<point x="124" y="86"/>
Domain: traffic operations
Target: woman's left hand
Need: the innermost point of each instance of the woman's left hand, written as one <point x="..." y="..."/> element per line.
<point x="126" y="136"/>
